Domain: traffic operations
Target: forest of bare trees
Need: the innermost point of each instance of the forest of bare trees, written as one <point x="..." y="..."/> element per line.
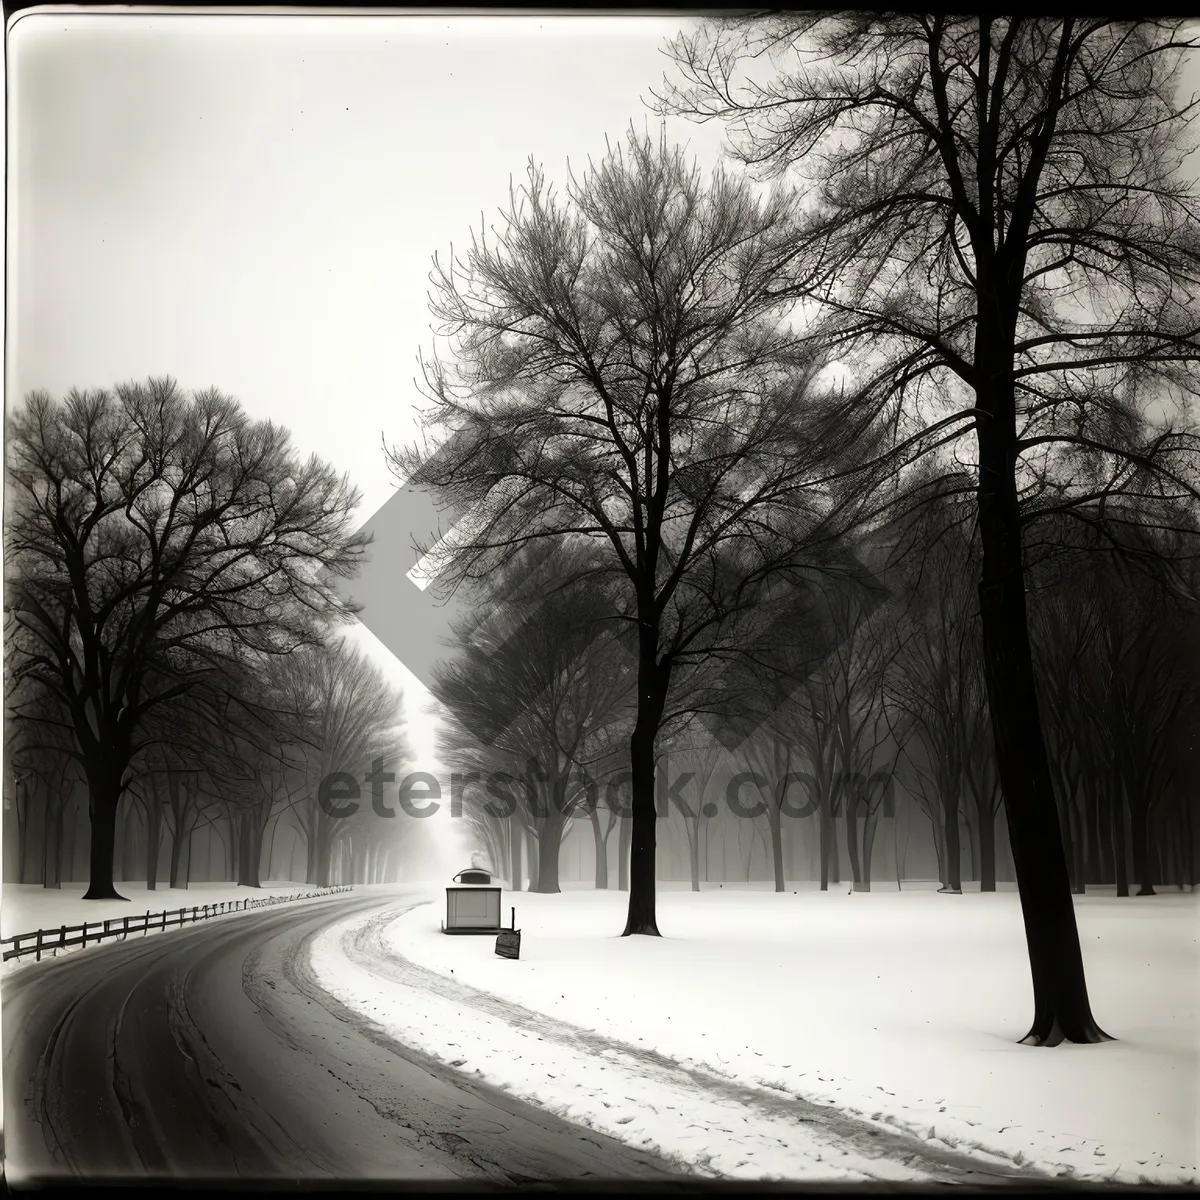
<point x="832" y="514"/>
<point x="879" y="456"/>
<point x="173" y="672"/>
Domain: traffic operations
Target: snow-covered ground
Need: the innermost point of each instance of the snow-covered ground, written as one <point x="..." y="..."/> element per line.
<point x="903" y="1009"/>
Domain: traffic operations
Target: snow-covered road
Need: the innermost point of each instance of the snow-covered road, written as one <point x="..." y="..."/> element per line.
<point x="714" y="1125"/>
<point x="212" y="1053"/>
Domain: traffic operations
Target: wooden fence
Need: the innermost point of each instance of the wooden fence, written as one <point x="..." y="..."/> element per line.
<point x="52" y="940"/>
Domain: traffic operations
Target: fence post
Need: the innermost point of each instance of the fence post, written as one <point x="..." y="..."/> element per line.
<point x="39" y="945"/>
<point x="105" y="930"/>
<point x="124" y="928"/>
<point x="194" y="912"/>
<point x="62" y="938"/>
<point x="146" y="924"/>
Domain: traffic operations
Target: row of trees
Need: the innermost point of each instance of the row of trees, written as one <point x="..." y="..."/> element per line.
<point x="172" y="656"/>
<point x="890" y="713"/>
<point x="980" y="225"/>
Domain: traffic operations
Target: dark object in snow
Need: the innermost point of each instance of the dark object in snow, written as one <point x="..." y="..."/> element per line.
<point x="508" y="941"/>
<point x="473" y="875"/>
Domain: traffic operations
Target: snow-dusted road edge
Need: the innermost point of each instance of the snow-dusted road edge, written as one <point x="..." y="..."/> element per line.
<point x="73" y="912"/>
<point x="709" y="1124"/>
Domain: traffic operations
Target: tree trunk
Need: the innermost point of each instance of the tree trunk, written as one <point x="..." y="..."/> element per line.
<point x="1061" y="1007"/>
<point x="774" y="822"/>
<point x="1079" y="841"/>
<point x="1095" y="856"/>
<point x="154" y="823"/>
<point x="104" y="799"/>
<point x="549" y="844"/>
<point x="516" y="841"/>
<point x="987" y="848"/>
<point x="105" y="792"/>
<point x="835" y="850"/>
<point x="1120" y="850"/>
<point x="951" y="841"/>
<point x="251" y="857"/>
<point x="70" y="821"/>
<point x="178" y="842"/>
<point x="850" y="803"/>
<point x="824" y="825"/>
<point x="624" y="834"/>
<point x="1142" y="858"/>
<point x="52" y="836"/>
<point x="870" y="825"/>
<point x="693" y="828"/>
<point x="532" y="857"/>
<point x="651" y="699"/>
<point x="601" y="843"/>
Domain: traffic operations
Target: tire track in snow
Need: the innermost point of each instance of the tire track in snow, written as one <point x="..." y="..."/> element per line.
<point x="832" y="1132"/>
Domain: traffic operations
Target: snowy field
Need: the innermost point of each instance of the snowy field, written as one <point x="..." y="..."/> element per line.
<point x="899" y="1008"/>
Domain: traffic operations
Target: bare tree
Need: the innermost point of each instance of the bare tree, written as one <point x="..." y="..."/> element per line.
<point x="152" y="536"/>
<point x="1001" y="228"/>
<point x="624" y="373"/>
<point x="349" y="720"/>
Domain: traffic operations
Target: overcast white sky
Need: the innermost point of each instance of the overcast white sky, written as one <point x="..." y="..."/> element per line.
<point x="252" y="202"/>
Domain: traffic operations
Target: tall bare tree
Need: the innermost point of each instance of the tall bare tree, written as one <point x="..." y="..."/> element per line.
<point x="152" y="536"/>
<point x="1002" y="232"/>
<point x="623" y="372"/>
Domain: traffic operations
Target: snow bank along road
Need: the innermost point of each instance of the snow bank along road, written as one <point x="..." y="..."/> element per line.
<point x="212" y="1053"/>
<point x="718" y="1127"/>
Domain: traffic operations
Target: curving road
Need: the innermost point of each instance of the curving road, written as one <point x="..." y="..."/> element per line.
<point x="211" y="1053"/>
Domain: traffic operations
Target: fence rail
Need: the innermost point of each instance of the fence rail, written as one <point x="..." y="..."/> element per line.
<point x="44" y="941"/>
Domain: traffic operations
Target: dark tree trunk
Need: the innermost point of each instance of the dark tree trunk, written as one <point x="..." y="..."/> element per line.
<point x="774" y="820"/>
<point x="951" y="841"/>
<point x="1120" y="848"/>
<point x="1079" y="841"/>
<point x="987" y="848"/>
<point x="972" y="843"/>
<point x="1095" y="857"/>
<point x="694" y="853"/>
<point x="179" y="868"/>
<point x="824" y="825"/>
<point x="154" y="823"/>
<point x="1061" y="1007"/>
<point x="22" y="812"/>
<point x="1142" y="858"/>
<point x="251" y="848"/>
<point x="516" y="840"/>
<point x="652" y="696"/>
<point x="870" y="825"/>
<point x="601" y="841"/>
<point x="850" y="802"/>
<point x="549" y="845"/>
<point x="52" y="839"/>
<point x="624" y="836"/>
<point x="532" y="857"/>
<point x="104" y="799"/>
<point x="835" y="851"/>
<point x="70" y="821"/>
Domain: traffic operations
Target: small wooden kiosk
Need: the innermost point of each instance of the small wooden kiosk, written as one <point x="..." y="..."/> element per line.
<point x="472" y="904"/>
